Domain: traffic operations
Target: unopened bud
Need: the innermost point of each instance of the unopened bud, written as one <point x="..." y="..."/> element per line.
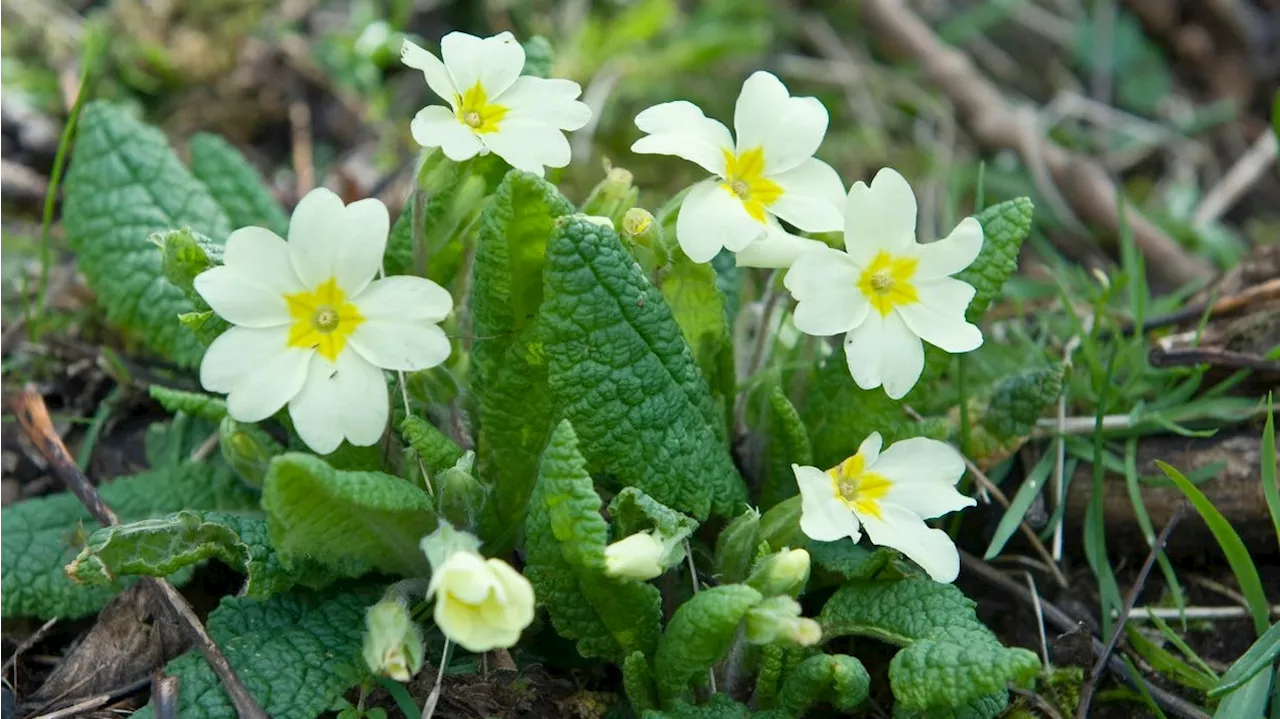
<point x="613" y="196"/>
<point x="785" y="572"/>
<point x="736" y="547"/>
<point x="459" y="495"/>
<point x="392" y="641"/>
<point x="247" y="449"/>
<point x="777" y="620"/>
<point x="638" y="223"/>
<point x="638" y="556"/>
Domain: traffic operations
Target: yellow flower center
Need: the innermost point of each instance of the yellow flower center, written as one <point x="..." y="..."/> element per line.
<point x="744" y="177"/>
<point x="475" y="111"/>
<point x="859" y="489"/>
<point x="323" y="319"/>
<point x="886" y="282"/>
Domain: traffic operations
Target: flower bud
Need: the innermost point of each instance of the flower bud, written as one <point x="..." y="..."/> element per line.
<point x="459" y="495"/>
<point x="784" y="572"/>
<point x="392" y="641"/>
<point x="777" y="620"/>
<point x="638" y="556"/>
<point x="247" y="449"/>
<point x="481" y="604"/>
<point x="736" y="547"/>
<point x="613" y="196"/>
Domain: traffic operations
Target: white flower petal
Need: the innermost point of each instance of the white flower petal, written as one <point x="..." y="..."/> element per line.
<point x="396" y="345"/>
<point x="679" y="128"/>
<point x="494" y="62"/>
<point x="257" y="369"/>
<point x="879" y="217"/>
<point x="924" y="473"/>
<point x="405" y="298"/>
<point x="346" y="398"/>
<point x="899" y="528"/>
<point x="882" y="351"/>
<point x="437" y="76"/>
<point x="552" y="101"/>
<point x="837" y="311"/>
<point x="242" y="299"/>
<point x="811" y="197"/>
<point x="777" y="249"/>
<point x="788" y="128"/>
<point x="712" y="218"/>
<point x="952" y="253"/>
<point x="823" y="517"/>
<point x="516" y="592"/>
<point x="330" y="240"/>
<point x="436" y="126"/>
<point x="938" y="318"/>
<point x="529" y="145"/>
<point x="264" y="255"/>
<point x="870" y="449"/>
<point x="816" y="273"/>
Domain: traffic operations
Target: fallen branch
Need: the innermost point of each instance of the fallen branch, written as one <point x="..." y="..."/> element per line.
<point x="997" y="126"/>
<point x="33" y="417"/>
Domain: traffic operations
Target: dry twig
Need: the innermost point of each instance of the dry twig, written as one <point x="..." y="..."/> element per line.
<point x="33" y="417"/>
<point x="996" y="125"/>
<point x="164" y="696"/>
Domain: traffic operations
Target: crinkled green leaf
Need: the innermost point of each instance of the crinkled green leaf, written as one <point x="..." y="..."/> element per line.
<point x="297" y="653"/>
<point x="987" y="707"/>
<point x="204" y="325"/>
<point x="351" y="522"/>
<point x="621" y="371"/>
<point x="235" y="184"/>
<point x="160" y="546"/>
<point x="637" y="682"/>
<point x="1004" y="228"/>
<point x="834" y="679"/>
<point x="768" y="675"/>
<point x="840" y="415"/>
<point x="124" y="184"/>
<point x="196" y="404"/>
<point x="692" y="293"/>
<point x="565" y="537"/>
<point x="849" y="560"/>
<point x="1001" y="424"/>
<point x="949" y="659"/>
<point x="737" y="546"/>
<point x="788" y="444"/>
<point x="436" y="450"/>
<point x="634" y="511"/>
<point x="698" y="634"/>
<point x="42" y="535"/>
<point x="719" y="706"/>
<point x="185" y="254"/>
<point x="538" y="57"/>
<point x="515" y="410"/>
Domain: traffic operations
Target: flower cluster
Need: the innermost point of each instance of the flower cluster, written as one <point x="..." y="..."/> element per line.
<point x="315" y="324"/>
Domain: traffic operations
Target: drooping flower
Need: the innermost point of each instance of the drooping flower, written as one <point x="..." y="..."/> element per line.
<point x="492" y="107"/>
<point x="481" y="604"/>
<point x="885" y="291"/>
<point x="312" y="327"/>
<point x="777" y="620"/>
<point x="768" y="173"/>
<point x="889" y="493"/>
<point x="638" y="556"/>
<point x="392" y="641"/>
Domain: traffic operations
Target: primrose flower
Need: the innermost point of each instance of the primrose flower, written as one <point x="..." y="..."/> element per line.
<point x="890" y="493"/>
<point x="392" y="641"/>
<point x="492" y="107"/>
<point x="638" y="556"/>
<point x="481" y="604"/>
<point x="885" y="291"/>
<point x="768" y="173"/>
<point x="312" y="327"/>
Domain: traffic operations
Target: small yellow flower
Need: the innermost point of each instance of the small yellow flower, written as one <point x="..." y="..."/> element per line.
<point x="481" y="604"/>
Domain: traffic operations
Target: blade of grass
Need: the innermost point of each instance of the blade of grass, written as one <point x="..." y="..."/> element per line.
<point x="1095" y="531"/>
<point x="1176" y="640"/>
<point x="1232" y="546"/>
<point x="1269" y="488"/>
<point x="1144" y="522"/>
<point x="1164" y="662"/>
<point x="1248" y="701"/>
<point x="401" y="696"/>
<point x="1026" y="494"/>
<point x="1142" y="690"/>
<point x="1257" y="657"/>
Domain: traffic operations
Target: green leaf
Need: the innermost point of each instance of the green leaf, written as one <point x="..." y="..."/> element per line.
<point x="538" y="57"/>
<point x="514" y="408"/>
<point x="988" y="707"/>
<point x="186" y="254"/>
<point x="351" y="522"/>
<point x="42" y="535"/>
<point x="642" y="409"/>
<point x="840" y="415"/>
<point x="768" y="676"/>
<point x="1270" y="489"/>
<point x="637" y="683"/>
<point x="634" y="511"/>
<point x="691" y="292"/>
<point x="297" y="653"/>
<point x="1257" y="657"/>
<point x="719" y="706"/>
<point x="736" y="547"/>
<point x="437" y="451"/>
<point x="949" y="659"/>
<point x="1000" y="425"/>
<point x="1004" y="228"/>
<point x="196" y="404"/>
<point x="205" y="326"/>
<point x="235" y="184"/>
<point x="565" y="537"/>
<point x="698" y="634"/>
<point x="788" y="445"/>
<point x="834" y="679"/>
<point x="1250" y="700"/>
<point x="1235" y="550"/>
<point x="125" y="183"/>
<point x="161" y="546"/>
<point x="1021" y="504"/>
<point x="849" y="560"/>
